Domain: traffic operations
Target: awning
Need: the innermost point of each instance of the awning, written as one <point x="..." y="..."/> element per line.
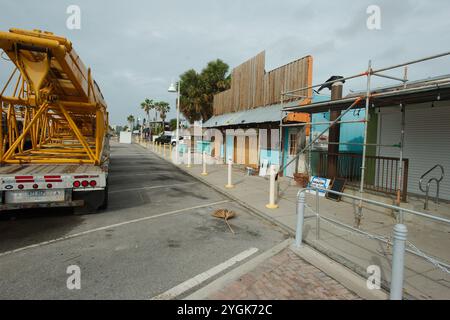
<point x="258" y="115"/>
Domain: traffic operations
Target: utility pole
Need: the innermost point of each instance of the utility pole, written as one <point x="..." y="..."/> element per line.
<point x="334" y="132"/>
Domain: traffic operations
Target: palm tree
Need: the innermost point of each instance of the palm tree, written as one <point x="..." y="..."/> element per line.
<point x="147" y="106"/>
<point x="163" y="108"/>
<point x="130" y="120"/>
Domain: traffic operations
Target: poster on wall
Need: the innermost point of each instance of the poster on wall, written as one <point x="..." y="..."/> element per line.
<point x="318" y="182"/>
<point x="263" y="168"/>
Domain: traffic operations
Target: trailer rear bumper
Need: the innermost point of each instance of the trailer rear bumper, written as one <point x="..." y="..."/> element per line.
<point x="18" y="206"/>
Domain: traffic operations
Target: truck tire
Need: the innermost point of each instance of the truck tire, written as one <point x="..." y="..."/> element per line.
<point x="104" y="204"/>
<point x="94" y="201"/>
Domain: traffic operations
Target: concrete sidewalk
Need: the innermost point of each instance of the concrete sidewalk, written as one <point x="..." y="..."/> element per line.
<point x="423" y="280"/>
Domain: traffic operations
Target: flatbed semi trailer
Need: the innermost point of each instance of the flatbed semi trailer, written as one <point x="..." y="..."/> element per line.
<point x="54" y="142"/>
<point x="49" y="186"/>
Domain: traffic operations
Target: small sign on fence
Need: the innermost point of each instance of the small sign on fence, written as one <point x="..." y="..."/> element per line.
<point x="318" y="182"/>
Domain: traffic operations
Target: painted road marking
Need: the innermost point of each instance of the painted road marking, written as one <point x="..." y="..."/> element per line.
<point x="138" y="174"/>
<point x="70" y="236"/>
<point x="202" y="277"/>
<point x="154" y="187"/>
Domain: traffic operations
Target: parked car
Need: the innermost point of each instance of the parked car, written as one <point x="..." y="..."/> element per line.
<point x="163" y="139"/>
<point x="173" y="141"/>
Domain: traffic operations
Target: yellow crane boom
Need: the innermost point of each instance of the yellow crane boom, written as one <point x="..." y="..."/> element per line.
<point x="52" y="110"/>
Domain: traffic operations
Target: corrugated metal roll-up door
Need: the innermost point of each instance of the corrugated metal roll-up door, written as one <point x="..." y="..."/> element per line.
<point x="427" y="141"/>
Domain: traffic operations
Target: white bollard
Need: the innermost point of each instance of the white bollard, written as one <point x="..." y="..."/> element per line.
<point x="204" y="172"/>
<point x="398" y="261"/>
<point x="176" y="154"/>
<point x="272" y="189"/>
<point x="301" y="199"/>
<point x="229" y="185"/>
<point x="189" y="157"/>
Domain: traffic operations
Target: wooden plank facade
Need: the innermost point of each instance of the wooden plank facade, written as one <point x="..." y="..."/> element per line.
<point x="252" y="87"/>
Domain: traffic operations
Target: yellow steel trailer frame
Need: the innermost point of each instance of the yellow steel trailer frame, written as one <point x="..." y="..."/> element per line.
<point x="52" y="110"/>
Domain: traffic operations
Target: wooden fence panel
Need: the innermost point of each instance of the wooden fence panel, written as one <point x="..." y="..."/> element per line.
<point x="252" y="87"/>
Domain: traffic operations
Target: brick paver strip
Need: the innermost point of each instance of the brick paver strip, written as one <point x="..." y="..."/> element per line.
<point x="284" y="276"/>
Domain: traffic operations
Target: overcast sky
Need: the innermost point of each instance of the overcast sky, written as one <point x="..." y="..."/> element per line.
<point x="136" y="48"/>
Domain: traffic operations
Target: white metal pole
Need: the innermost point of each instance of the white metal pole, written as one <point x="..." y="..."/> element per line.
<point x="280" y="134"/>
<point x="189" y="157"/>
<point x="178" y="123"/>
<point x="398" y="261"/>
<point x="301" y="199"/>
<point x="363" y="165"/>
<point x="204" y="172"/>
<point x="400" y="163"/>
<point x="272" y="189"/>
<point x="230" y="168"/>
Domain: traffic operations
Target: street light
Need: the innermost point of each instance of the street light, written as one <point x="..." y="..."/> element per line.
<point x="173" y="88"/>
<point x="140" y="128"/>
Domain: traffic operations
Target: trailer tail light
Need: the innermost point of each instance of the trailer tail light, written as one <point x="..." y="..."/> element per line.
<point x="84" y="183"/>
<point x="35" y="186"/>
<point x="76" y="184"/>
<point x="49" y="185"/>
<point x="93" y="183"/>
<point x="20" y="186"/>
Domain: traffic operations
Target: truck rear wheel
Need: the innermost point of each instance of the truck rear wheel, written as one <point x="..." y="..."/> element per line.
<point x="104" y="204"/>
<point x="94" y="201"/>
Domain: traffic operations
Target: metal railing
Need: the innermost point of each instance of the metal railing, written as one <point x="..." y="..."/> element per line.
<point x="427" y="189"/>
<point x="381" y="172"/>
<point x="399" y="234"/>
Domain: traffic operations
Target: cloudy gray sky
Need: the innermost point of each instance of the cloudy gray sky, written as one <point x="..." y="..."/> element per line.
<point x="136" y="48"/>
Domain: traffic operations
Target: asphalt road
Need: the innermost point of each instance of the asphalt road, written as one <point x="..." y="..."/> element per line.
<point x="158" y="232"/>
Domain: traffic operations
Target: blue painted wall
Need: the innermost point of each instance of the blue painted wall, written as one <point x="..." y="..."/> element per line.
<point x="350" y="132"/>
<point x="272" y="156"/>
<point x="203" y="146"/>
<point x="229" y="147"/>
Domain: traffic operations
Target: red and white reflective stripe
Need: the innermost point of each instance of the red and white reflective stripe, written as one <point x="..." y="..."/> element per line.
<point x="32" y="179"/>
<point x="52" y="179"/>
<point x="24" y="179"/>
<point x="85" y="177"/>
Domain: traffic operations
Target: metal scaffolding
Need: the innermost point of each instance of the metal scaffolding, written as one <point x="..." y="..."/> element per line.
<point x="354" y="101"/>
